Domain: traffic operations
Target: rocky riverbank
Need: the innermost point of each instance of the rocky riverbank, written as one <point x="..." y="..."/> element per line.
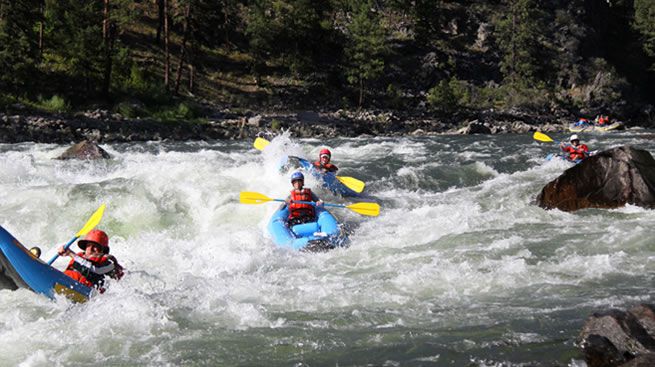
<point x="102" y="126"/>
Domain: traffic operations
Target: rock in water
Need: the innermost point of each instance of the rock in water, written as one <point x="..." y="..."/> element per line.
<point x="85" y="150"/>
<point x="609" y="179"/>
<point x="618" y="338"/>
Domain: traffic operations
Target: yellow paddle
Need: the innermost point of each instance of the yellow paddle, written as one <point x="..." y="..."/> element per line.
<point x="90" y="224"/>
<point x="543" y="137"/>
<point x="350" y="182"/>
<point x="370" y="209"/>
<point x="261" y="143"/>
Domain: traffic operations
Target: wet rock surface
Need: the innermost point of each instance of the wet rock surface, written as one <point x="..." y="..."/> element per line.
<point x="85" y="150"/>
<point x="619" y="338"/>
<point x="609" y="179"/>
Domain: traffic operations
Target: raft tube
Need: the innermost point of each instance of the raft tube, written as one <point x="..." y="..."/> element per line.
<point x="20" y="269"/>
<point x="324" y="234"/>
<point x="328" y="180"/>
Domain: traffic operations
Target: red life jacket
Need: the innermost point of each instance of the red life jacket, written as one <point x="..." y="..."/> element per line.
<point x="298" y="210"/>
<point x="84" y="275"/>
<point x="576" y="153"/>
<point x="328" y="167"/>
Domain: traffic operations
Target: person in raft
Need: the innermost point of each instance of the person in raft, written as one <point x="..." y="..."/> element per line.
<point x="576" y="150"/>
<point x="323" y="164"/>
<point x="300" y="212"/>
<point x="90" y="266"/>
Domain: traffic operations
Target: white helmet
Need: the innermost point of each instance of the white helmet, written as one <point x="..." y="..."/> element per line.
<point x="574" y="137"/>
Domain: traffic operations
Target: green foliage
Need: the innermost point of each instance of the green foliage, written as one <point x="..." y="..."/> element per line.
<point x="276" y="125"/>
<point x="297" y="31"/>
<point x="366" y="47"/>
<point x="183" y="111"/>
<point x="644" y="22"/>
<point x="442" y="97"/>
<point x="55" y="104"/>
<point x="518" y="36"/>
<point x="448" y="95"/>
<point x="395" y="96"/>
<point x="18" y="47"/>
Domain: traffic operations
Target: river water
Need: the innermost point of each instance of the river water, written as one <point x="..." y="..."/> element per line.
<point x="459" y="269"/>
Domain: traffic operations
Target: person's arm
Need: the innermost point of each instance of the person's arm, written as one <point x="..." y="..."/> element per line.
<point x="317" y="200"/>
<point x="95" y="269"/>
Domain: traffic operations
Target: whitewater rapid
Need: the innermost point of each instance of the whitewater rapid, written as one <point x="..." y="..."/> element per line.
<point x="459" y="268"/>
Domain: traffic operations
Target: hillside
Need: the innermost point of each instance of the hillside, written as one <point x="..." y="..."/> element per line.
<point x="433" y="58"/>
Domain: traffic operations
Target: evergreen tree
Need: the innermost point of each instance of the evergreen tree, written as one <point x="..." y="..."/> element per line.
<point x="19" y="48"/>
<point x="366" y="47"/>
<point x="518" y="33"/>
<point x="298" y="31"/>
<point x="644" y="22"/>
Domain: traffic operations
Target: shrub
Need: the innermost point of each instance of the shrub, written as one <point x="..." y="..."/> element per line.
<point x="442" y="97"/>
<point x="54" y="104"/>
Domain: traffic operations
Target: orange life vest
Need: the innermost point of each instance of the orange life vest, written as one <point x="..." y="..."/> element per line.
<point x="328" y="167"/>
<point x="298" y="210"/>
<point x="84" y="275"/>
<point x="576" y="153"/>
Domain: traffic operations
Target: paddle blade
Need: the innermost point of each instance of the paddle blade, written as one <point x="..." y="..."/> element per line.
<point x="92" y="222"/>
<point x="352" y="183"/>
<point x="253" y="198"/>
<point x="261" y="143"/>
<point x="542" y="137"/>
<point x="370" y="209"/>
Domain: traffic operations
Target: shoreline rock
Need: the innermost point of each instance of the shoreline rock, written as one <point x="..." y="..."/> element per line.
<point x="103" y="127"/>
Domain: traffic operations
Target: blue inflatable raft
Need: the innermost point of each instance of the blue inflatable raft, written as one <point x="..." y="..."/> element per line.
<point x="20" y="269"/>
<point x="322" y="235"/>
<point x="328" y="180"/>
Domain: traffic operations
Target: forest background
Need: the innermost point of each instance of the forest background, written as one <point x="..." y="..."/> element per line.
<point x="182" y="59"/>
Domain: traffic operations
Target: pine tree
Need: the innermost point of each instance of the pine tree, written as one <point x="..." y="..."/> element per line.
<point x="644" y="22"/>
<point x="19" y="48"/>
<point x="518" y="36"/>
<point x="366" y="47"/>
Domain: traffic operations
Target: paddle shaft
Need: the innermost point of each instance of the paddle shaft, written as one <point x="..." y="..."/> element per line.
<point x="65" y="248"/>
<point x="311" y="203"/>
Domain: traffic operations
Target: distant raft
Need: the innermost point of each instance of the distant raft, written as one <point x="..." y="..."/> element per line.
<point x="590" y="128"/>
<point x="19" y="268"/>
<point x="323" y="234"/>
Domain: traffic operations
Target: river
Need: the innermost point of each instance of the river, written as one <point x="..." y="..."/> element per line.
<point x="459" y="269"/>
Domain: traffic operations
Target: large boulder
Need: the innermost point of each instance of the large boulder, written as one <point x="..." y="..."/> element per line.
<point x="85" y="150"/>
<point x="609" y="179"/>
<point x="616" y="337"/>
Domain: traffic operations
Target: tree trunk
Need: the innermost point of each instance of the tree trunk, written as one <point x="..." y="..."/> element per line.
<point x="167" y="55"/>
<point x="361" y="91"/>
<point x="106" y="36"/>
<point x="178" y="77"/>
<point x="160" y="18"/>
<point x="41" y="26"/>
<point x="192" y="74"/>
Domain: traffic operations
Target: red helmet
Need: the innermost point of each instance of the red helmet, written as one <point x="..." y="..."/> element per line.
<point x="325" y="152"/>
<point x="95" y="236"/>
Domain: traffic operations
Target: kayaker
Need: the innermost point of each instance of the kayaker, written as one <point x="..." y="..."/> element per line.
<point x="323" y="164"/>
<point x="299" y="212"/>
<point x="576" y="150"/>
<point x="90" y="266"/>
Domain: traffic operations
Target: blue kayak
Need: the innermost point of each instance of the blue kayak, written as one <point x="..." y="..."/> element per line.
<point x="323" y="234"/>
<point x="329" y="179"/>
<point x="565" y="157"/>
<point x="20" y="269"/>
